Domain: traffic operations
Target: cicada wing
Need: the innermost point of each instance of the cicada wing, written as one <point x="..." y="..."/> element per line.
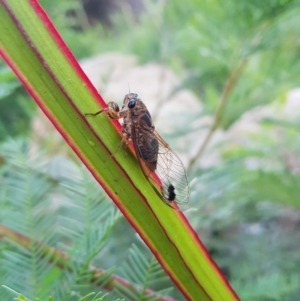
<point x="171" y="173"/>
<point x="163" y="165"/>
<point x="146" y="147"/>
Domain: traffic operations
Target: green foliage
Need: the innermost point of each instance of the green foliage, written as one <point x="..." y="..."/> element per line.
<point x="245" y="207"/>
<point x="203" y="41"/>
<point x="274" y="287"/>
<point x="249" y="203"/>
<point x="43" y="207"/>
<point x="71" y="20"/>
<point x="55" y="202"/>
<point x="146" y="273"/>
<point x="15" y="106"/>
<point x="88" y="297"/>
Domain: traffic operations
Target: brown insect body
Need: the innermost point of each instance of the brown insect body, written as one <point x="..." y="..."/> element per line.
<point x="138" y="126"/>
<point x="150" y="148"/>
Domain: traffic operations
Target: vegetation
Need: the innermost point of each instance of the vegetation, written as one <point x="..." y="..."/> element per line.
<point x="235" y="56"/>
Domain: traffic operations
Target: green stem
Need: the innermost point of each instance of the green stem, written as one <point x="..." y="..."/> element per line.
<point x="229" y="84"/>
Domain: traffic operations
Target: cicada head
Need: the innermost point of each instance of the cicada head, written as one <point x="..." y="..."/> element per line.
<point x="130" y="100"/>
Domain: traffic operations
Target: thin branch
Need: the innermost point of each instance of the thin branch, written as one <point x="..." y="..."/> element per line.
<point x="229" y="84"/>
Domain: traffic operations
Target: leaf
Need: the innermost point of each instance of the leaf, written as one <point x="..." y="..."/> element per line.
<point x="33" y="49"/>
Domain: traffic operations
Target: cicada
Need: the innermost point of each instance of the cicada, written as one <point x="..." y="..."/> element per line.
<point x="151" y="150"/>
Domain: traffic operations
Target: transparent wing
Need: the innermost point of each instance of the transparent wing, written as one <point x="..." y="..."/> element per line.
<point x="171" y="173"/>
<point x="159" y="157"/>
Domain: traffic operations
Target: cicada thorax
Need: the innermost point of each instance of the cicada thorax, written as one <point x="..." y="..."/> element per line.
<point x="138" y="127"/>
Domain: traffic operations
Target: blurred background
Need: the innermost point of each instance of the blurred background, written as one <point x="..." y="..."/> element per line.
<point x="222" y="82"/>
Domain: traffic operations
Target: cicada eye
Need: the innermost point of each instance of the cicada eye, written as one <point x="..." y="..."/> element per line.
<point x="131" y="103"/>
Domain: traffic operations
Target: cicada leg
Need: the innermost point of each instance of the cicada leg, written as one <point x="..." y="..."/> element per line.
<point x="112" y="111"/>
<point x="125" y="140"/>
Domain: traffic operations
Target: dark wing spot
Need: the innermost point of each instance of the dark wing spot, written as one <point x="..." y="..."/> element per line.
<point x="171" y="193"/>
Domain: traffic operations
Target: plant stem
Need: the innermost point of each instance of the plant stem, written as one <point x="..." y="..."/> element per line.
<point x="229" y="84"/>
